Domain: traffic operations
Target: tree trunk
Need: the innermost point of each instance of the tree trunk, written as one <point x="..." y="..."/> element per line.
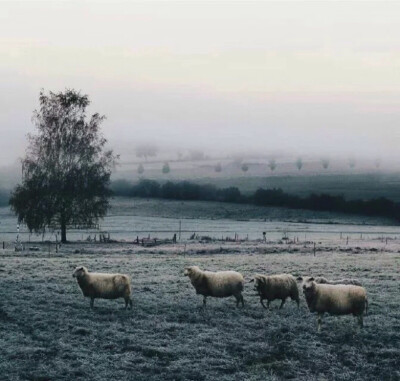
<point x="63" y="231"/>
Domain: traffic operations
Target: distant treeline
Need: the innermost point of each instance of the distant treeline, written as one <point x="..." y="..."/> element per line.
<point x="176" y="191"/>
<point x="378" y="207"/>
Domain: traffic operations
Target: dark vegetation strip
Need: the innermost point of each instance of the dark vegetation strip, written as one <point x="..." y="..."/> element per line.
<point x="377" y="207"/>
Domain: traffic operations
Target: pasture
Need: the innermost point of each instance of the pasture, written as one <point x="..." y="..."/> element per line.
<point x="48" y="331"/>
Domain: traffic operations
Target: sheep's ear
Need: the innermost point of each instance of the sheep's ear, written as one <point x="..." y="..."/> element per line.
<point x="250" y="281"/>
<point x="299" y="278"/>
<point x="311" y="279"/>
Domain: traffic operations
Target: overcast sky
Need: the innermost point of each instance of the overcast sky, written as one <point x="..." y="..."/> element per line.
<point x="304" y="77"/>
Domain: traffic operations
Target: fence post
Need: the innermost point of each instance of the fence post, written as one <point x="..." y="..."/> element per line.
<point x="314" y="249"/>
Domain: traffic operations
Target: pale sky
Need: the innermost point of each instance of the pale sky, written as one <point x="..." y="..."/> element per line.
<point x="302" y="77"/>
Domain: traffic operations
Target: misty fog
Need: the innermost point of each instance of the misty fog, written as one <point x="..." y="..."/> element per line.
<point x="260" y="80"/>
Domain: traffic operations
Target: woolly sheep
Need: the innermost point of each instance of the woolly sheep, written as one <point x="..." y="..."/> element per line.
<point x="337" y="299"/>
<point x="219" y="284"/>
<point x="103" y="285"/>
<point x="274" y="287"/>
<point x="348" y="281"/>
<point x="323" y="280"/>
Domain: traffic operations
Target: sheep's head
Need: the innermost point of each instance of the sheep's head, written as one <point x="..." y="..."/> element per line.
<point x="309" y="286"/>
<point x="259" y="282"/>
<point x="79" y="272"/>
<point x="189" y="271"/>
<point x="318" y="279"/>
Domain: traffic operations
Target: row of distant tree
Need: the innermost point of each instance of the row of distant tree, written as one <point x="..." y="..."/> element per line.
<point x="148" y="150"/>
<point x="379" y="207"/>
<point x="272" y="164"/>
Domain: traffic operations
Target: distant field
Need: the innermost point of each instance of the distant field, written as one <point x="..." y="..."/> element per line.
<point x="130" y="217"/>
<point x="48" y="331"/>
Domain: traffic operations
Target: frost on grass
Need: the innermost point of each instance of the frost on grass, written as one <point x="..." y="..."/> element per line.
<point x="49" y="332"/>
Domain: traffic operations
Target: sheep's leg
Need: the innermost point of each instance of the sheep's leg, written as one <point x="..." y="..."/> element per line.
<point x="319" y="320"/>
<point x="204" y="301"/>
<point x="128" y="301"/>
<point x="262" y="303"/>
<point x="91" y="302"/>
<point x="239" y="298"/>
<point x="360" y="321"/>
<point x="282" y="303"/>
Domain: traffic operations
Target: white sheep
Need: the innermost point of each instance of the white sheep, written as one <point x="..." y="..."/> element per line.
<point x="103" y="285"/>
<point x="274" y="287"/>
<point x="337" y="299"/>
<point x="219" y="284"/>
<point x="348" y="281"/>
<point x="323" y="280"/>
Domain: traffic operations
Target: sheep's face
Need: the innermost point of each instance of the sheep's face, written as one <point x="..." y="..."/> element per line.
<point x="189" y="271"/>
<point x="309" y="287"/>
<point x="259" y="282"/>
<point x="306" y="279"/>
<point x="79" y="272"/>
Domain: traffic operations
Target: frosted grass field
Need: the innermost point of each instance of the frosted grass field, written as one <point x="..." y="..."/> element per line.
<point x="48" y="332"/>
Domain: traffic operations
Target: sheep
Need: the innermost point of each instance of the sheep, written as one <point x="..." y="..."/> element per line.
<point x="338" y="299"/>
<point x="348" y="281"/>
<point x="323" y="280"/>
<point x="103" y="285"/>
<point x="219" y="284"/>
<point x="276" y="287"/>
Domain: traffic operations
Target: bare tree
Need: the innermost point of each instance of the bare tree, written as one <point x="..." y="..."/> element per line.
<point x="218" y="167"/>
<point x="325" y="163"/>
<point x="272" y="164"/>
<point x="166" y="169"/>
<point x="140" y="169"/>
<point x="299" y="163"/>
<point x="66" y="171"/>
<point x="352" y="162"/>
<point x="245" y="167"/>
